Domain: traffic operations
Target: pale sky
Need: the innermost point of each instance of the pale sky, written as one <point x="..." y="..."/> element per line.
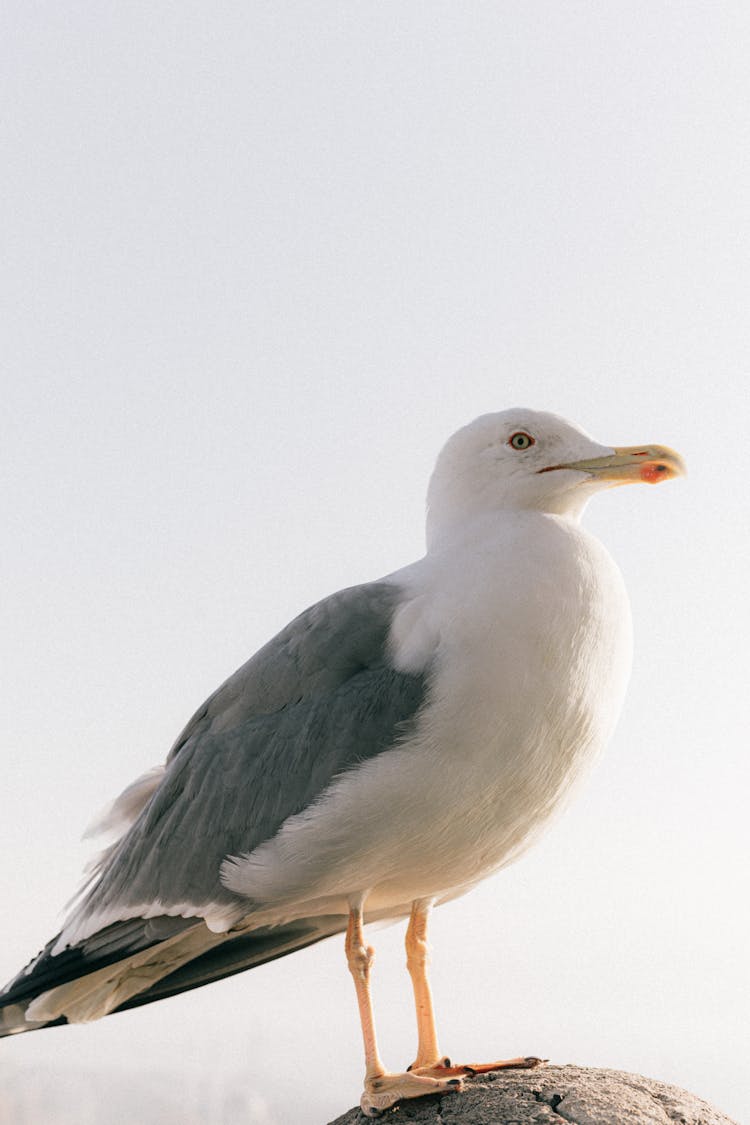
<point x="260" y="260"/>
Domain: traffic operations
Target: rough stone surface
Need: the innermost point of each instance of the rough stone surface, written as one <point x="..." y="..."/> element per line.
<point x="555" y="1095"/>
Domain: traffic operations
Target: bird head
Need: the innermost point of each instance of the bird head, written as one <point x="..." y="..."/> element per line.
<point x="530" y="460"/>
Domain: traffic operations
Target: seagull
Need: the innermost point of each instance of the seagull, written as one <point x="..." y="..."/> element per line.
<point x="395" y="744"/>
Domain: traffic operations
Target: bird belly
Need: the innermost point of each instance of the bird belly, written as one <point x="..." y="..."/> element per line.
<point x="526" y="688"/>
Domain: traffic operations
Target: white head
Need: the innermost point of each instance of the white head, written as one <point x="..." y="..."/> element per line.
<point x="528" y="459"/>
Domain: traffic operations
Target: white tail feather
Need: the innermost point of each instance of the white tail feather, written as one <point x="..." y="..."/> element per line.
<point x="99" y="993"/>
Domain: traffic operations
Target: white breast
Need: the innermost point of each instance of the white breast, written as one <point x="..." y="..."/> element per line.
<point x="533" y="659"/>
<point x="527" y="627"/>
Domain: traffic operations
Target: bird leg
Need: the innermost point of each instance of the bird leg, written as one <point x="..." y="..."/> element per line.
<point x="417" y="962"/>
<point x="429" y="1062"/>
<point x="382" y="1089"/>
<point x="360" y="958"/>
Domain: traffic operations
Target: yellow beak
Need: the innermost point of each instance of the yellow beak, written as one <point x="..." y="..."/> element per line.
<point x="649" y="463"/>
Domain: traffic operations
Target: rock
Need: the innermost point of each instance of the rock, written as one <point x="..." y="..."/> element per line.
<point x="555" y="1095"/>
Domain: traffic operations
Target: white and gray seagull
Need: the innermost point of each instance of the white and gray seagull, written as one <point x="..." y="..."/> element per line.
<point x="393" y="745"/>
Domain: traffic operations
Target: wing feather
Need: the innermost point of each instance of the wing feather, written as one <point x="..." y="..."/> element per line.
<point x="314" y="702"/>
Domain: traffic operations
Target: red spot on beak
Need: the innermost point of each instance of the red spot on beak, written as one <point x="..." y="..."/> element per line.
<point x="653" y="472"/>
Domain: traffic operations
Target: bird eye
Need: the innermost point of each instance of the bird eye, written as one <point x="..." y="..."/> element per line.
<point x="521" y="440"/>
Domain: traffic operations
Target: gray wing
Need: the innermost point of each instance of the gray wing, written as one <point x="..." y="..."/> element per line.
<point x="319" y="698"/>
